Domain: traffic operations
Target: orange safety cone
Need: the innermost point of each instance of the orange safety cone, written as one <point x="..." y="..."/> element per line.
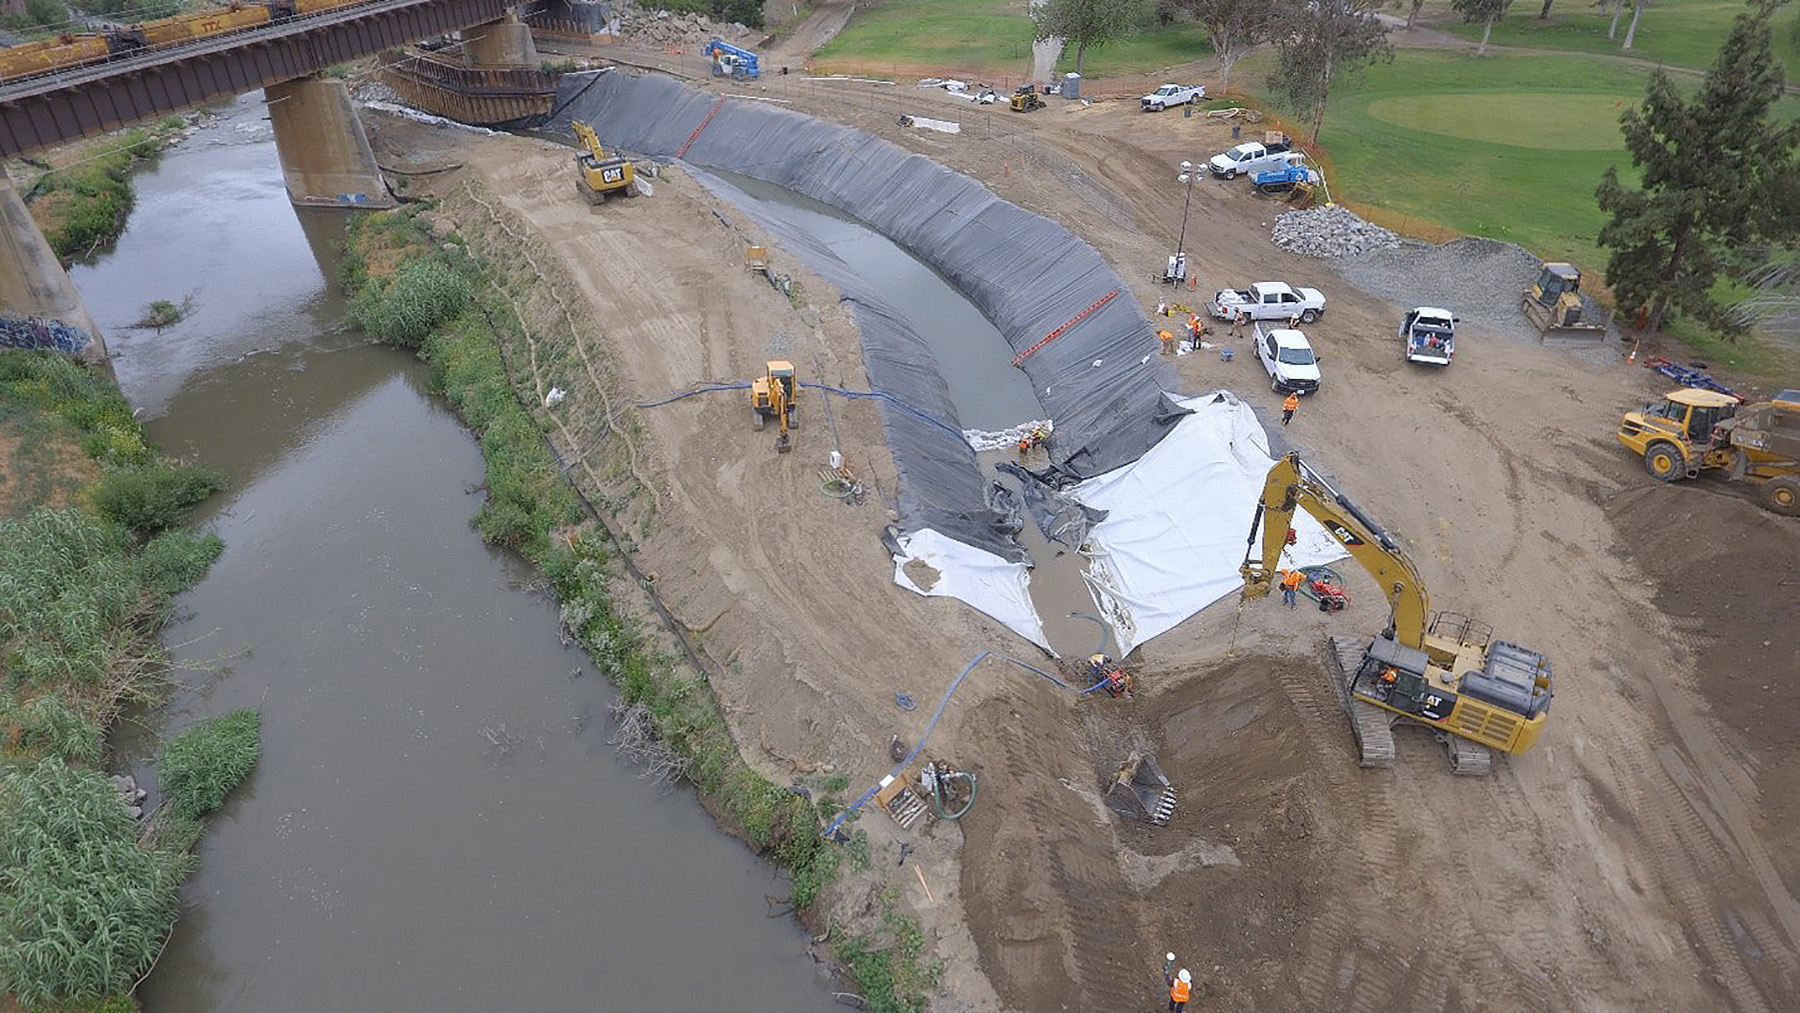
<point x="1633" y="356"/>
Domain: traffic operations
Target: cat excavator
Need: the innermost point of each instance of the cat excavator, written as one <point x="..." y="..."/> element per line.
<point x="772" y="396"/>
<point x="600" y="175"/>
<point x="1443" y="671"/>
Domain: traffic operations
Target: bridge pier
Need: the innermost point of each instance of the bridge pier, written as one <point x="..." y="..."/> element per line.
<point x="39" y="307"/>
<point x="325" y="156"/>
<point x="503" y="43"/>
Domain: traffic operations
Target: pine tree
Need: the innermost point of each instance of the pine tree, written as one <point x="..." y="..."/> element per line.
<point x="1707" y="166"/>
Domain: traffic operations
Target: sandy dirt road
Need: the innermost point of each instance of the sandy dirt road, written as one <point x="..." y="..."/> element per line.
<point x="1642" y="857"/>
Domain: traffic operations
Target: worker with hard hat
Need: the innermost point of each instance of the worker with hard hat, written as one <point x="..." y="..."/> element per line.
<point x="1180" y="987"/>
<point x="1168" y="341"/>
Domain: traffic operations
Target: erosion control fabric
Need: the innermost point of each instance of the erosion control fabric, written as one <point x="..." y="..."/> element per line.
<point x="1100" y="380"/>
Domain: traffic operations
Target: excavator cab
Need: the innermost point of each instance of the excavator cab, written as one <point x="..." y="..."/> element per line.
<point x="772" y="396"/>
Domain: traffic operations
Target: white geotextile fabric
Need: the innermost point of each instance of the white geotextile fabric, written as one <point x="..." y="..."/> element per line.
<point x="1174" y="535"/>
<point x="991" y="584"/>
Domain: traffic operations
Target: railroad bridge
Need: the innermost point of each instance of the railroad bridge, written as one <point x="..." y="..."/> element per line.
<point x="325" y="156"/>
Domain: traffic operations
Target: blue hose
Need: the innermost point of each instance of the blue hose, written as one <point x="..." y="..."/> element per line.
<point x="708" y="389"/>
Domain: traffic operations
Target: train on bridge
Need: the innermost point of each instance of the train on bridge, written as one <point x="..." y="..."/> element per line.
<point x="67" y="51"/>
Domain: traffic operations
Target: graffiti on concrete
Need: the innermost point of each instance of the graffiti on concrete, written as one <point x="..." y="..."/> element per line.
<point x="28" y="333"/>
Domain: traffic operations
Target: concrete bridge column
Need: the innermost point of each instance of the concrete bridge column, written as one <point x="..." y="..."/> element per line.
<point x="39" y="307"/>
<point x="325" y="156"/>
<point x="503" y="43"/>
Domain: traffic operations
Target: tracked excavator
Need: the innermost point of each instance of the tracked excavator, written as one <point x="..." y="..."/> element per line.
<point x="600" y="175"/>
<point x="772" y="396"/>
<point x="1443" y="671"/>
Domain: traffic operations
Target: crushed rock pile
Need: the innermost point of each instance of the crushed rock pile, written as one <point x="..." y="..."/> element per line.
<point x="1329" y="232"/>
<point x="661" y="28"/>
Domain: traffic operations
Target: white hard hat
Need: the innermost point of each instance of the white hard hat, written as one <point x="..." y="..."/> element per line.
<point x="1184" y="975"/>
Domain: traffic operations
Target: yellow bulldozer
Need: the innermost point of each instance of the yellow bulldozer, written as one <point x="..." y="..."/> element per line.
<point x="600" y="175"/>
<point x="1555" y="303"/>
<point x="1692" y="431"/>
<point x="773" y="396"/>
<point x="1443" y="671"/>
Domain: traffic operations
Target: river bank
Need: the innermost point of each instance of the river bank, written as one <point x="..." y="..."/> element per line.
<point x="80" y="195"/>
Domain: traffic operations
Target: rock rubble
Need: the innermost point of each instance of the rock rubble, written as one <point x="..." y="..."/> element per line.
<point x="661" y="28"/>
<point x="1329" y="231"/>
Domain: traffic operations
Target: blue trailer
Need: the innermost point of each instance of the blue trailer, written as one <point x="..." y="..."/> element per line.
<point x="1285" y="178"/>
<point x="730" y="61"/>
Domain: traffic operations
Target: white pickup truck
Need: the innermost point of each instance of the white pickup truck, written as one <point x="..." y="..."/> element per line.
<point x="1289" y="359"/>
<point x="1249" y="157"/>
<point x="1268" y="300"/>
<point x="1172" y="95"/>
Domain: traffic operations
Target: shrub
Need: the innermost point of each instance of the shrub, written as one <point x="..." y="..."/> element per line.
<point x="87" y="907"/>
<point x="175" y="560"/>
<point x="200" y="766"/>
<point x="153" y="497"/>
<point x="425" y="294"/>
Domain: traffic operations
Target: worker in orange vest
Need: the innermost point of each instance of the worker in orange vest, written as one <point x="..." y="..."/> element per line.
<point x="1180" y="987"/>
<point x="1168" y="341"/>
<point x="1290" y="584"/>
<point x="1289" y="407"/>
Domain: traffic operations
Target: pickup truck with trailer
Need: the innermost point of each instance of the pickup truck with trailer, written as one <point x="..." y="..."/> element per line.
<point x="1250" y="157"/>
<point x="1172" y="95"/>
<point x="1268" y="300"/>
<point x="1289" y="359"/>
<point x="1428" y="335"/>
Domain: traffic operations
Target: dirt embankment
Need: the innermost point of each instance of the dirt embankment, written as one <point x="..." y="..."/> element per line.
<point x="1642" y="857"/>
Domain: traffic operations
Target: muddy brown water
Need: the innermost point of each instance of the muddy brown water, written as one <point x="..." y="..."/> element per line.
<point x="974" y="360"/>
<point x="437" y="821"/>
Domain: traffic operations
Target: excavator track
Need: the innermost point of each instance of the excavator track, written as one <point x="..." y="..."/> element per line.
<point x="1467" y="758"/>
<point x="1372" y="726"/>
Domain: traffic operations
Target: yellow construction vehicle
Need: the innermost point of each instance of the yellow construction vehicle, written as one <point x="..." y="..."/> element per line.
<point x="1693" y="430"/>
<point x="1555" y="303"/>
<point x="601" y="176"/>
<point x="772" y="396"/>
<point x="1442" y="671"/>
<point x="1026" y="99"/>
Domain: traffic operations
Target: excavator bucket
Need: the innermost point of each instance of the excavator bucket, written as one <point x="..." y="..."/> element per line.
<point x="1141" y="790"/>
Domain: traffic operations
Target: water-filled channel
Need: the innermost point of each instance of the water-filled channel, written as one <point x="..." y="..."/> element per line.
<point x="437" y="821"/>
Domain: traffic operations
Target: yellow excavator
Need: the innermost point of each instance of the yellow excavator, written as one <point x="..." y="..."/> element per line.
<point x="772" y="396"/>
<point x="600" y="175"/>
<point x="1442" y="671"/>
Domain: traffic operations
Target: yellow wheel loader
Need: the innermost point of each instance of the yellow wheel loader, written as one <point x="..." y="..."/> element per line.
<point x="1555" y="303"/>
<point x="599" y="175"/>
<point x="772" y="396"/>
<point x="1443" y="671"/>
<point x="1692" y="431"/>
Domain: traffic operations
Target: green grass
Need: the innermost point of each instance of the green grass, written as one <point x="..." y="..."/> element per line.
<point x="1455" y="141"/>
<point x="991" y="39"/>
<point x="200" y="766"/>
<point x="1681" y="33"/>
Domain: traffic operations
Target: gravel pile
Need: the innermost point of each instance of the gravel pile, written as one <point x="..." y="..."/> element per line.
<point x="1480" y="280"/>
<point x="1329" y="232"/>
<point x="661" y="28"/>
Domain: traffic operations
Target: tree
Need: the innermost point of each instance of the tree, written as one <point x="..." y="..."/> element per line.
<point x="1485" y="11"/>
<point x="1709" y="165"/>
<point x="1612" y="30"/>
<point x="1086" y="23"/>
<point x="1320" y="41"/>
<point x="1412" y="16"/>
<point x="1544" y="15"/>
<point x="1233" y="27"/>
<point x="1637" y="11"/>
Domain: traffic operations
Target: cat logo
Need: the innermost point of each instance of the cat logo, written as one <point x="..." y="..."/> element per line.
<point x="613" y="174"/>
<point x="1342" y="534"/>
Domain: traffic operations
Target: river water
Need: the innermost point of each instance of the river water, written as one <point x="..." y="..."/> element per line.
<point x="437" y="821"/>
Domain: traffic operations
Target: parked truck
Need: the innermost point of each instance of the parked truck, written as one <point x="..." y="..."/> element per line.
<point x="1268" y="300"/>
<point x="1172" y="95"/>
<point x="1428" y="335"/>
<point x="1288" y="357"/>
<point x="1251" y="157"/>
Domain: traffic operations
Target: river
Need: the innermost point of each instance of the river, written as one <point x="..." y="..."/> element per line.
<point x="437" y="821"/>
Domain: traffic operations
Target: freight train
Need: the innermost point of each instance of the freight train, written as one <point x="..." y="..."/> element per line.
<point x="65" y="51"/>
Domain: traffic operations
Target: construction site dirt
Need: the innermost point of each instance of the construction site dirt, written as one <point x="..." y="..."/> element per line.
<point x="1642" y="856"/>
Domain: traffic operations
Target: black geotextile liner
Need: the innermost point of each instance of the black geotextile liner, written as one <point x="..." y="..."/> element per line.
<point x="1101" y="381"/>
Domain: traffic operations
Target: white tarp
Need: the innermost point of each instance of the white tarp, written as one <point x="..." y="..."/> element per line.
<point x="988" y="582"/>
<point x="1178" y="518"/>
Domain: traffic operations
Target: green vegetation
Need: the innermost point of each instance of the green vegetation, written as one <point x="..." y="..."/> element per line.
<point x="200" y="766"/>
<point x="404" y="310"/>
<point x="81" y="206"/>
<point x="1681" y="33"/>
<point x="86" y="897"/>
<point x="86" y="904"/>
<point x="529" y="498"/>
<point x="992" y="39"/>
<point x="889" y="977"/>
